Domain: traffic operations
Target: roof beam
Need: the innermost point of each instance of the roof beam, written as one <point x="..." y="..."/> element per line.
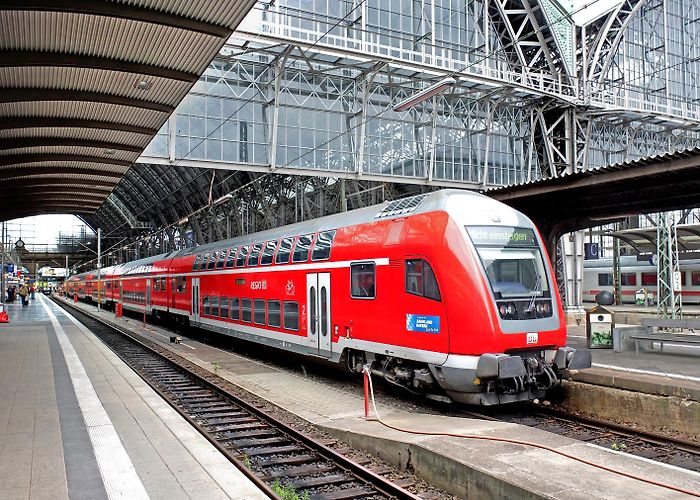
<point x="30" y="95"/>
<point x="49" y="191"/>
<point x="33" y="142"/>
<point x="118" y="10"/>
<point x="59" y="122"/>
<point x="51" y="157"/>
<point x="23" y="172"/>
<point x="21" y="58"/>
<point x="105" y="186"/>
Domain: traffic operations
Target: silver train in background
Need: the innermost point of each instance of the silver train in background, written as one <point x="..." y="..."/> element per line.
<point x="636" y="275"/>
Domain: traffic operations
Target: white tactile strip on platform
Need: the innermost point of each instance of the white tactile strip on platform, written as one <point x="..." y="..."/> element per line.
<point x="647" y="372"/>
<point x="118" y="473"/>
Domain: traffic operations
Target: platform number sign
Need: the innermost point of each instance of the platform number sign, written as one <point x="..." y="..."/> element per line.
<point x="676" y="281"/>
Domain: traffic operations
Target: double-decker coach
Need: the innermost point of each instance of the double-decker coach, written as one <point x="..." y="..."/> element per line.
<point x="448" y="293"/>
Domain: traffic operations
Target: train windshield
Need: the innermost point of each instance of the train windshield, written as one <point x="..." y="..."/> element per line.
<point x="512" y="259"/>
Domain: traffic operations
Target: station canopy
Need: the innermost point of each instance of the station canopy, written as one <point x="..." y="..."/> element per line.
<point x="86" y="85"/>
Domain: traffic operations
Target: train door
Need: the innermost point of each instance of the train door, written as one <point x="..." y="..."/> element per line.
<point x="148" y="294"/>
<point x="194" y="307"/>
<point x="318" y="288"/>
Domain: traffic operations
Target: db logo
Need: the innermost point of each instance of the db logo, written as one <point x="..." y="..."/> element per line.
<point x="290" y="288"/>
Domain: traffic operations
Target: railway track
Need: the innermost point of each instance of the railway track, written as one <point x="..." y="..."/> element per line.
<point x="280" y="460"/>
<point x="608" y="435"/>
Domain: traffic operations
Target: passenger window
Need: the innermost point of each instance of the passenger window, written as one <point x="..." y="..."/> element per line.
<point x="203" y="264"/>
<point x="215" y="306"/>
<point x="301" y="249"/>
<point x="267" y="254"/>
<point x="197" y="260"/>
<point x="246" y="310"/>
<point x="628" y="279"/>
<point x="206" y="308"/>
<point x="223" y="312"/>
<point x="695" y="278"/>
<point x="362" y="280"/>
<point x="291" y="315"/>
<point x="420" y="279"/>
<point x="322" y="246"/>
<point x="273" y="313"/>
<point x="259" y="311"/>
<point x="235" y="308"/>
<point x="254" y="254"/>
<point x="181" y="284"/>
<point x="222" y="258"/>
<point x="242" y="254"/>
<point x="284" y="251"/>
<point x="605" y="279"/>
<point x="231" y="258"/>
<point x="212" y="261"/>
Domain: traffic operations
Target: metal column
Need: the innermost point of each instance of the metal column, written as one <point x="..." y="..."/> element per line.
<point x="669" y="275"/>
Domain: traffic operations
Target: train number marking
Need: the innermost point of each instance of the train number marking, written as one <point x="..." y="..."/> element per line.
<point x="532" y="338"/>
<point x="258" y="285"/>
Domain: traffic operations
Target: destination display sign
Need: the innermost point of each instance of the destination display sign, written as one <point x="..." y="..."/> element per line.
<point x="502" y="236"/>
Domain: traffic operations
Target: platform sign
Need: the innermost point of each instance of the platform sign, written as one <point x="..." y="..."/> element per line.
<point x="677" y="281"/>
<point x="420" y="323"/>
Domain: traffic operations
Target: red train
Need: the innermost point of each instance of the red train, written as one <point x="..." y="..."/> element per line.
<point x="443" y="293"/>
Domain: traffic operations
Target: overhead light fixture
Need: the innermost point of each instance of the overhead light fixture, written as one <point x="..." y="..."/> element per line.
<point x="143" y="84"/>
<point x="425" y="94"/>
<point x="109" y="152"/>
<point x="222" y="199"/>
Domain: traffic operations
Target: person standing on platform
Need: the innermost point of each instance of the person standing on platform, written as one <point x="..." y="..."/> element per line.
<point x="23" y="292"/>
<point x="32" y="290"/>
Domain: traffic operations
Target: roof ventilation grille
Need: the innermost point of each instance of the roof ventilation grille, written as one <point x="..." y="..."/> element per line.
<point x="401" y="207"/>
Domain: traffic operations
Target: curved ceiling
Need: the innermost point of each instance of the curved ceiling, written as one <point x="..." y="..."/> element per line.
<point x="84" y="86"/>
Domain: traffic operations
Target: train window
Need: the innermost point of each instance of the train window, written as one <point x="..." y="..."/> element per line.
<point x="223" y="311"/>
<point x="254" y="255"/>
<point x="648" y="279"/>
<point x="156" y="285"/>
<point x="231" y="258"/>
<point x="284" y="251"/>
<point x="246" y="310"/>
<point x="695" y="278"/>
<point x="362" y="280"/>
<point x="206" y="308"/>
<point x="235" y="308"/>
<point x="222" y="258"/>
<point x="291" y="315"/>
<point x="242" y="253"/>
<point x="605" y="279"/>
<point x="203" y="264"/>
<point x="197" y="260"/>
<point x="212" y="261"/>
<point x="266" y="258"/>
<point x="301" y="249"/>
<point x="259" y="311"/>
<point x="420" y="279"/>
<point x="628" y="279"/>
<point x="215" y="306"/>
<point x="322" y="247"/>
<point x="273" y="313"/>
<point x="181" y="284"/>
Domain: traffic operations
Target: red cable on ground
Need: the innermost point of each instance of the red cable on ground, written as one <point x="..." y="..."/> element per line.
<point x="527" y="443"/>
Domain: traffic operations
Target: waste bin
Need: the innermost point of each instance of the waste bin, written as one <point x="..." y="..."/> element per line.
<point x="118" y="310"/>
<point x="599" y="328"/>
<point x="640" y="297"/>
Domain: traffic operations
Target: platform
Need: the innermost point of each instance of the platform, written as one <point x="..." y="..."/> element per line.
<point x="76" y="422"/>
<point x="462" y="466"/>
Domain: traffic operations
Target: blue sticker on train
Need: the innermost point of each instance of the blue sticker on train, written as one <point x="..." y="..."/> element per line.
<point x="419" y="323"/>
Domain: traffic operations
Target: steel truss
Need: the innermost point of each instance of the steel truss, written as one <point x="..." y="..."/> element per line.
<point x="311" y="95"/>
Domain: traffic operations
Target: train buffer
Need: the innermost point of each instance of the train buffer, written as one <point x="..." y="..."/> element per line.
<point x="658" y="330"/>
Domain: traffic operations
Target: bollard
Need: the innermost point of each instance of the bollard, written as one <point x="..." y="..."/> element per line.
<point x="366" y="377"/>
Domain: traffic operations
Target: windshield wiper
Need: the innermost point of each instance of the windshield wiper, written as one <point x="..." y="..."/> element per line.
<point x="537" y="289"/>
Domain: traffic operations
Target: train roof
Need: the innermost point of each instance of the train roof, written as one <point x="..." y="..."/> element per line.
<point x="445" y="199"/>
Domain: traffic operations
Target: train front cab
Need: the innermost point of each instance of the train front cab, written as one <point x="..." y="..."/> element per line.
<point x="510" y="344"/>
